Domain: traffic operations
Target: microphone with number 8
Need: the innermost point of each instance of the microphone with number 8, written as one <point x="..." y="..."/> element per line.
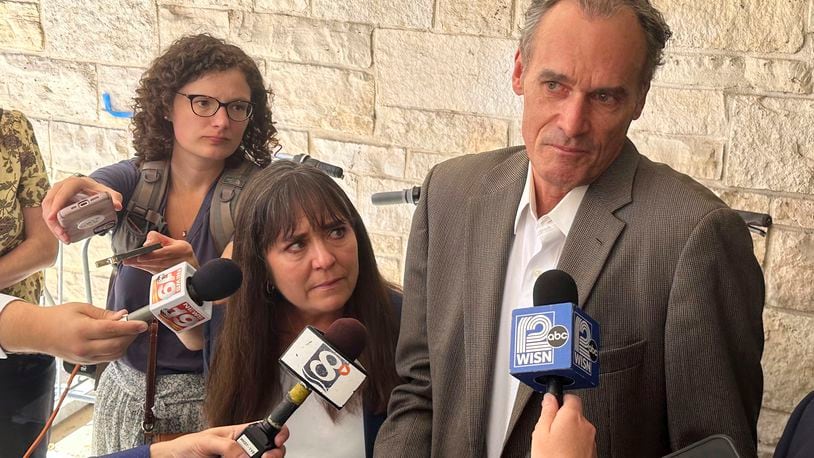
<point x="555" y="345"/>
<point x="181" y="297"/>
<point x="322" y="363"/>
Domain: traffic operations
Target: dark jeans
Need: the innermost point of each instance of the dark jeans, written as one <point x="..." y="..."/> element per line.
<point x="26" y="401"/>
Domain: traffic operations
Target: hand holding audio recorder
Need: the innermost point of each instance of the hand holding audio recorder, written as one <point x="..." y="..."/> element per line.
<point x="89" y="215"/>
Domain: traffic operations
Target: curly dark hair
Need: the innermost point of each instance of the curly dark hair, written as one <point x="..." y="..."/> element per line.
<point x="186" y="60"/>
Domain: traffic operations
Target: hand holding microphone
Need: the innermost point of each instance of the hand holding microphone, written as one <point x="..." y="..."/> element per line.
<point x="76" y="332"/>
<point x="321" y="363"/>
<point x="563" y="431"/>
<point x="171" y="252"/>
<point x="555" y="345"/>
<point x="181" y="297"/>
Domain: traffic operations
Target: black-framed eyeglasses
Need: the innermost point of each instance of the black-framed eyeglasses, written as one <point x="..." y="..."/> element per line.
<point x="205" y="106"/>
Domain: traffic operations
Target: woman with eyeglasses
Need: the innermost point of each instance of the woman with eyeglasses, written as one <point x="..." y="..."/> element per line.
<point x="202" y="107"/>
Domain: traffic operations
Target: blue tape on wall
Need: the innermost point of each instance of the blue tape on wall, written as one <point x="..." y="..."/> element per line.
<point x="109" y="108"/>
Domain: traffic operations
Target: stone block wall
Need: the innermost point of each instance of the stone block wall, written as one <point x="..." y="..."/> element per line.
<point x="388" y="88"/>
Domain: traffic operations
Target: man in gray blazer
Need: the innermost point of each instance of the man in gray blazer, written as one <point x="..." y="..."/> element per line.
<point x="663" y="265"/>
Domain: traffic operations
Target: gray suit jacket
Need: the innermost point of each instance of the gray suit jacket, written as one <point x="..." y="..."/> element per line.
<point x="660" y="262"/>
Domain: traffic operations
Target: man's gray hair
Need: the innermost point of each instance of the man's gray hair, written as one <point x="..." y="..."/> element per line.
<point x="656" y="30"/>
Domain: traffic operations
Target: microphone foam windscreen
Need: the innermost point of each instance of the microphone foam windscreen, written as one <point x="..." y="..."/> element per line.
<point x="554" y="287"/>
<point x="349" y="336"/>
<point x="217" y="279"/>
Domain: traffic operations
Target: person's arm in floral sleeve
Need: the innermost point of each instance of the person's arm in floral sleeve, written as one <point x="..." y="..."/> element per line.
<point x="39" y="247"/>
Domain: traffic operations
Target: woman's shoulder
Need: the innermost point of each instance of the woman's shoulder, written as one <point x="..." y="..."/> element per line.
<point x="396" y="297"/>
<point x="121" y="176"/>
<point x="127" y="167"/>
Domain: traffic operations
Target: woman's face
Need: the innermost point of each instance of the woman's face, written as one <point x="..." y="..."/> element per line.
<point x="214" y="137"/>
<point x="316" y="269"/>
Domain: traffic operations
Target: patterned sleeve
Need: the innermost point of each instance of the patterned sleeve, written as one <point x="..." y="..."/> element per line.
<point x="33" y="177"/>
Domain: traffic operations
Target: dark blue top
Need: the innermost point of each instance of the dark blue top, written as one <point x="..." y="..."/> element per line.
<point x="798" y="436"/>
<point x="130" y="289"/>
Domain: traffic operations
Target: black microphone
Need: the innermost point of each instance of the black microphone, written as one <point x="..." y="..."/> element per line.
<point x="555" y="345"/>
<point x="330" y="169"/>
<point x="405" y="196"/>
<point x="322" y="363"/>
<point x="180" y="297"/>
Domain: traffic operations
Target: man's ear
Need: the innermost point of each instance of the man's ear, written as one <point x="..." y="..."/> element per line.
<point x="640" y="103"/>
<point x="517" y="74"/>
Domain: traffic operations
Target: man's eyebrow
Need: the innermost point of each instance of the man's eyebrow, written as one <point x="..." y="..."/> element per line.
<point x="550" y="75"/>
<point x="617" y="91"/>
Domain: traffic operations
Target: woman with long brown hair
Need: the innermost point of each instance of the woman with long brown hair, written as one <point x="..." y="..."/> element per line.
<point x="307" y="260"/>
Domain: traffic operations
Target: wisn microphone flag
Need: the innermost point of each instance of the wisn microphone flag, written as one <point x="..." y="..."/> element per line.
<point x="554" y="340"/>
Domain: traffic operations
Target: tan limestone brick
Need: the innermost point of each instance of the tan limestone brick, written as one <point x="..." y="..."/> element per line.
<point x="47" y="88"/>
<point x="765" y="144"/>
<point x="478" y="17"/>
<point x="119" y="32"/>
<point x="177" y="21"/>
<point x="736" y="25"/>
<point x="790" y="270"/>
<point x="788" y="361"/>
<point x="83" y="149"/>
<point x="296" y="39"/>
<point x="20" y="27"/>
<point x="445" y="72"/>
<point x="361" y="159"/>
<point x="310" y="96"/>
<point x="440" y="131"/>
<point x="415" y="14"/>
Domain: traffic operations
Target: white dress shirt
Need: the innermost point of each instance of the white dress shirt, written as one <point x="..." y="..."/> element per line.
<point x="538" y="243"/>
<point x="315" y="435"/>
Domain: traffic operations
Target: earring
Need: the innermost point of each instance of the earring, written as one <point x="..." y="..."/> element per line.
<point x="270" y="288"/>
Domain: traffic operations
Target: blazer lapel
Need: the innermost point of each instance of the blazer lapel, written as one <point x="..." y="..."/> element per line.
<point x="489" y="235"/>
<point x="592" y="235"/>
<point x="595" y="227"/>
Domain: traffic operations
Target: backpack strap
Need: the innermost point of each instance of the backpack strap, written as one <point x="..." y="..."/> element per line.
<point x="141" y="214"/>
<point x="224" y="203"/>
<point x="151" y="187"/>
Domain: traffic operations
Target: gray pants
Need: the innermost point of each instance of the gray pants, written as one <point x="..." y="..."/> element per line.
<point x="119" y="409"/>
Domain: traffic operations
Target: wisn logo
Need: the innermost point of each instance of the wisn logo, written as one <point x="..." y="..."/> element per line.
<point x="325" y="367"/>
<point x="536" y="337"/>
<point x="586" y="352"/>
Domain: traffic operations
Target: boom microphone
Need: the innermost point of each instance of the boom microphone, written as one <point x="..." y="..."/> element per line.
<point x="181" y="297"/>
<point x="330" y="169"/>
<point x="405" y="196"/>
<point x="321" y="363"/>
<point x="555" y="345"/>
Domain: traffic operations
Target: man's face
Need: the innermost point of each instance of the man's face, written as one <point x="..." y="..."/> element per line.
<point x="581" y="88"/>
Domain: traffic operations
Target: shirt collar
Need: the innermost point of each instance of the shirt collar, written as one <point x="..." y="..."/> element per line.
<point x="562" y="215"/>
